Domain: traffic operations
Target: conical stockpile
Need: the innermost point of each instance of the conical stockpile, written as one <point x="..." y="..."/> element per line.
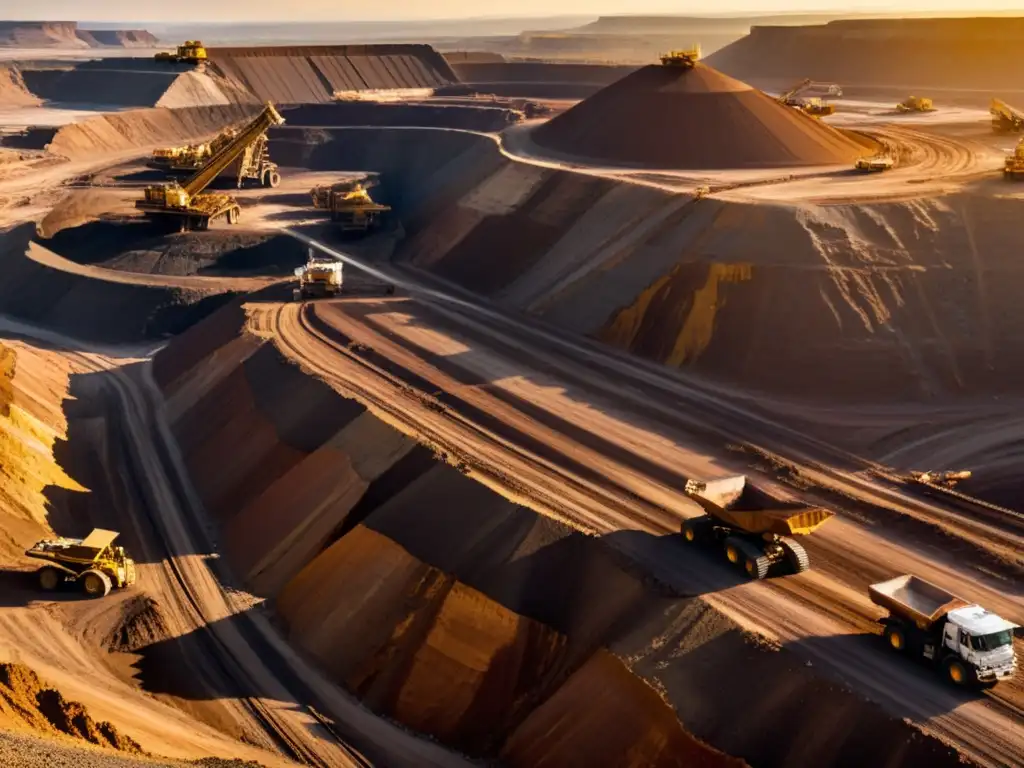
<point x="672" y="117"/>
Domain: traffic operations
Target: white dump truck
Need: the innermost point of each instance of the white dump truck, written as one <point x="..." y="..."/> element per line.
<point x="970" y="644"/>
<point x="319" y="277"/>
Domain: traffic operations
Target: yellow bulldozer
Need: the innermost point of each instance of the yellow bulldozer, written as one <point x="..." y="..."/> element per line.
<point x="915" y="104"/>
<point x="93" y="563"/>
<point x="350" y="205"/>
<point x="189" y="52"/>
<point x="1013" y="166"/>
<point x="684" y="58"/>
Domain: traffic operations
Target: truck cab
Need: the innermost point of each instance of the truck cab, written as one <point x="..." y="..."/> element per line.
<point x="983" y="640"/>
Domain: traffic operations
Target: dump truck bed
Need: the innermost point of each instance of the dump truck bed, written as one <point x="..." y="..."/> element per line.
<point x="915" y="599"/>
<point x="736" y="502"/>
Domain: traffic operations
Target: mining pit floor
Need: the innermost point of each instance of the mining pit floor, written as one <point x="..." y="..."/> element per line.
<point x="441" y="527"/>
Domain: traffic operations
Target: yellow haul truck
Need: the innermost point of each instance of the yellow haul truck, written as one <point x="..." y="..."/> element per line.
<point x="350" y="205"/>
<point x="187" y="203"/>
<point x="189" y="52"/>
<point x="754" y="529"/>
<point x="93" y="563"/>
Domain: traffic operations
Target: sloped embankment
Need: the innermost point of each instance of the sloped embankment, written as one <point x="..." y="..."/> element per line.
<point x="33" y="386"/>
<point x="537" y="79"/>
<point x="27" y="703"/>
<point x="313" y="74"/>
<point x="492" y="628"/>
<point x="909" y="299"/>
<point x="13" y="91"/>
<point x="91" y="303"/>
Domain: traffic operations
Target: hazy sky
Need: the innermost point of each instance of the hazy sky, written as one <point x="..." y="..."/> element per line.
<point x="302" y="10"/>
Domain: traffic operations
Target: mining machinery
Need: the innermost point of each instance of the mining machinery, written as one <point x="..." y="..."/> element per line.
<point x="971" y="645"/>
<point x="874" y="164"/>
<point x="915" y="104"/>
<point x="754" y="529"/>
<point x="187" y="202"/>
<point x="945" y="478"/>
<point x="93" y="563"/>
<point x="1013" y="167"/>
<point x="684" y="58"/>
<point x="816" y="106"/>
<point x="189" y="52"/>
<point x="350" y="205"/>
<point x="254" y="164"/>
<point x="319" y="277"/>
<point x="1005" y="119"/>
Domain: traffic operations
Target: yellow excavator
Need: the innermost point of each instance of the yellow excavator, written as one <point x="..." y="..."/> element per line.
<point x="187" y="202"/>
<point x="1005" y="119"/>
<point x="816" y="106"/>
<point x="684" y="58"/>
<point x="190" y="52"/>
<point x="915" y="104"/>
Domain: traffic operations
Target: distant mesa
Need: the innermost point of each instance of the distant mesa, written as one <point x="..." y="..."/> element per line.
<point x="67" y="34"/>
<point x="699" y="118"/>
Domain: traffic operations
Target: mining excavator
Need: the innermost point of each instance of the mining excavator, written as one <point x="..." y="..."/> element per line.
<point x="350" y="205"/>
<point x="254" y="164"/>
<point x="1013" y="167"/>
<point x="1005" y="119"/>
<point x="815" y="106"/>
<point x="684" y="58"/>
<point x="754" y="529"/>
<point x="187" y="202"/>
<point x="190" y="52"/>
<point x="93" y="563"/>
<point x="915" y="104"/>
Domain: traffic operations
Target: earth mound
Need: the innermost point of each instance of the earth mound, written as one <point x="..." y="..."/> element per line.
<point x="26" y="701"/>
<point x="13" y="92"/>
<point x="668" y="117"/>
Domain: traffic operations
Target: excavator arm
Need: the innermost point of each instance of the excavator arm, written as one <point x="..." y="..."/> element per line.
<point x="231" y="151"/>
<point x="793" y="92"/>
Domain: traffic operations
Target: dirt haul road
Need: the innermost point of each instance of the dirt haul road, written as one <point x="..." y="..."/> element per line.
<point x="247" y="655"/>
<point x="605" y="444"/>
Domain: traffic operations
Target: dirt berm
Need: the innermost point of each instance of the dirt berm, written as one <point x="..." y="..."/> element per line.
<point x="13" y="91"/>
<point x="912" y="53"/>
<point x="313" y="74"/>
<point x="91" y="303"/>
<point x="671" y="117"/>
<point x="469" y="117"/>
<point x="469" y="617"/>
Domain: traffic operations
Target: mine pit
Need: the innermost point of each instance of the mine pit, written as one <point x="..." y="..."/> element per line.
<point x="433" y="515"/>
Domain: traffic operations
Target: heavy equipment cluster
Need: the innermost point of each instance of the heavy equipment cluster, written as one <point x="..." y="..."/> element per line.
<point x="189" y="204"/>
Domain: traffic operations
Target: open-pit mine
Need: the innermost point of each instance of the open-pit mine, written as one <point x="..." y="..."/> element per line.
<point x="368" y="405"/>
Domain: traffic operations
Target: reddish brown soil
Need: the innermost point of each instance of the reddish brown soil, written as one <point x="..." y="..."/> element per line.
<point x="667" y="117"/>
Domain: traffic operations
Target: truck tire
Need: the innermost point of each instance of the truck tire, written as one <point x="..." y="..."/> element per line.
<point x="796" y="555"/>
<point x="96" y="584"/>
<point x="895" y="637"/>
<point x="695" y="529"/>
<point x="50" y="579"/>
<point x="271" y="179"/>
<point x="733" y="551"/>
<point x="234" y="214"/>
<point x="959" y="672"/>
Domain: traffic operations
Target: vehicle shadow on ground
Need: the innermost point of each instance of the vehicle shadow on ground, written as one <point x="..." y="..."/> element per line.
<point x="924" y="691"/>
<point x="19" y="589"/>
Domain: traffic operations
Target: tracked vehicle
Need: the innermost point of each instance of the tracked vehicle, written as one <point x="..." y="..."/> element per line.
<point x="94" y="563"/>
<point x="754" y="529"/>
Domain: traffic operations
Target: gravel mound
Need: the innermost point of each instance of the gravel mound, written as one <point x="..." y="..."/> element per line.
<point x="667" y="117"/>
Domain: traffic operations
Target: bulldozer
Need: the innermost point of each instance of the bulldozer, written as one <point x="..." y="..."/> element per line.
<point x="188" y="204"/>
<point x="189" y="52"/>
<point x="754" y="529"/>
<point x="1013" y="166"/>
<point x="684" y="58"/>
<point x="93" y="563"/>
<point x="915" y="104"/>
<point x="350" y="205"/>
